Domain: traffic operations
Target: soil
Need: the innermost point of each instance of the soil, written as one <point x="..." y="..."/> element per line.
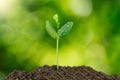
<point x="63" y="73"/>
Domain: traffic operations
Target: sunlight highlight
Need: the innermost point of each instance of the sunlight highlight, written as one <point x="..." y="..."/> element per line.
<point x="6" y="6"/>
<point x="81" y="7"/>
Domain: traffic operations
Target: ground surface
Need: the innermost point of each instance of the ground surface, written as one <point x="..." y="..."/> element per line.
<point x="63" y="73"/>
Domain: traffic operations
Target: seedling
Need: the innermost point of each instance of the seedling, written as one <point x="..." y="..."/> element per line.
<point x="59" y="33"/>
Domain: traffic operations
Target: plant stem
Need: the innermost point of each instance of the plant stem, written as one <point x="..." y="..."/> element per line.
<point x="57" y="46"/>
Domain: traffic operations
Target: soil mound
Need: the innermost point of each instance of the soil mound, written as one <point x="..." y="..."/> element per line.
<point x="63" y="73"/>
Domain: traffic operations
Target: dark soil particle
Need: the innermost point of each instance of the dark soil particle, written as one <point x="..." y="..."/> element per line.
<point x="63" y="73"/>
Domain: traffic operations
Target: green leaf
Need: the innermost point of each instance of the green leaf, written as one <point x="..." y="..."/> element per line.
<point x="65" y="29"/>
<point x="55" y="17"/>
<point x="51" y="30"/>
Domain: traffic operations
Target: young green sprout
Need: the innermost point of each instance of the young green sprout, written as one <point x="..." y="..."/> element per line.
<point x="59" y="33"/>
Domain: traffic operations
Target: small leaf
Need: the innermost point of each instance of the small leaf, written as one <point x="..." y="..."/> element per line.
<point x="51" y="30"/>
<point x="55" y="17"/>
<point x="65" y="29"/>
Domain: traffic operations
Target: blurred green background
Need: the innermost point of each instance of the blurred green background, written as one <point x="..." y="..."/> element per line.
<point x="93" y="41"/>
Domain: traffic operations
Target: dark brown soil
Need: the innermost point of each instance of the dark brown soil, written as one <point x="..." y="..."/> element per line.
<point x="63" y="73"/>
